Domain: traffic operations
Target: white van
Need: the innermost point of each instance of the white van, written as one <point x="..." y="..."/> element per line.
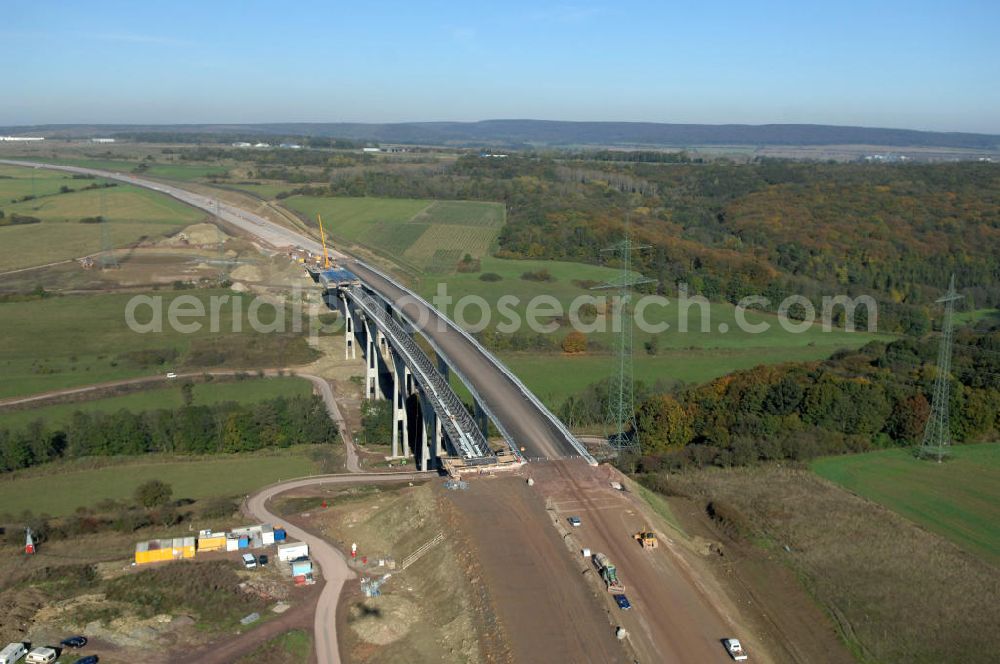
<point x="41" y="656"/>
<point x="249" y="561"/>
<point x="12" y="652"/>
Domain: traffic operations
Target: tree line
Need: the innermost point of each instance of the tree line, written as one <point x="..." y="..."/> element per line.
<point x="875" y="397"/>
<point x="218" y="428"/>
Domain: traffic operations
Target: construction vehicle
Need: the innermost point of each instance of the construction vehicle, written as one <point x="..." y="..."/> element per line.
<point x="609" y="573"/>
<point x="646" y="539"/>
<point x="735" y="649"/>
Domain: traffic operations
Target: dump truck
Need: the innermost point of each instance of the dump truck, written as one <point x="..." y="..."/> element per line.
<point x="647" y="539"/>
<point x="608" y="573"/>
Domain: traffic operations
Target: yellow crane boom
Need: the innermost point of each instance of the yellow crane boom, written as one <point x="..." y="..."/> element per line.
<point x="322" y="239"/>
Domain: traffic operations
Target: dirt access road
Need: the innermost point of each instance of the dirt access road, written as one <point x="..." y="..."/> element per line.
<point x="330" y="561"/>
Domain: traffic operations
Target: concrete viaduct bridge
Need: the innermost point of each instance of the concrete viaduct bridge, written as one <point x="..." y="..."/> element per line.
<point x="382" y="318"/>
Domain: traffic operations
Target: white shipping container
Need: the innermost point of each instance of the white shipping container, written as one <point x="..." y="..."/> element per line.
<point x="232" y="543"/>
<point x="292" y="550"/>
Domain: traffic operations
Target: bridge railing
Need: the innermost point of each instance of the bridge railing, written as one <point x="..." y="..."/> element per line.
<point x="455" y="419"/>
<point x="525" y="392"/>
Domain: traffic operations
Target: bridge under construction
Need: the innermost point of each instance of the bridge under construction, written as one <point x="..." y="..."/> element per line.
<point x="385" y="316"/>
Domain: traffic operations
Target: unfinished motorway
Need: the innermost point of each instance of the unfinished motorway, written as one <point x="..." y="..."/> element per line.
<point x="553" y="609"/>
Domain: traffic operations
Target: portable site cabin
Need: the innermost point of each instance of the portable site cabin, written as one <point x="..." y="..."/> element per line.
<point x="209" y="541"/>
<point x="254" y="537"/>
<point x="292" y="551"/>
<point x="156" y="551"/>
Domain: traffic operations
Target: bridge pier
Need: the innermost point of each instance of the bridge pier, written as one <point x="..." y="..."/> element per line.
<point x="431" y="442"/>
<point x="401" y="379"/>
<point x="481" y="418"/>
<point x="350" y="332"/>
<point x="372" y="390"/>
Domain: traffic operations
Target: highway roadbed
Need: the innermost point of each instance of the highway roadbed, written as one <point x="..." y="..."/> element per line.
<point x="546" y="611"/>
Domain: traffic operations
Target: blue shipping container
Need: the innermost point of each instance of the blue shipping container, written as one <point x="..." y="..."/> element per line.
<point x="279" y="535"/>
<point x="244" y="542"/>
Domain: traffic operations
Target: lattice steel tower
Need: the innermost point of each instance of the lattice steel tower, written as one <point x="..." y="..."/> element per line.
<point x="937" y="435"/>
<point x="621" y="393"/>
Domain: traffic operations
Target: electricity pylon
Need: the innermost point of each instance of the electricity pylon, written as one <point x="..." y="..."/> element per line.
<point x="621" y="392"/>
<point x="937" y="434"/>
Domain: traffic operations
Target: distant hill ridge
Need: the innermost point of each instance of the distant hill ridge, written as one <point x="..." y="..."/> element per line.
<point x="554" y="133"/>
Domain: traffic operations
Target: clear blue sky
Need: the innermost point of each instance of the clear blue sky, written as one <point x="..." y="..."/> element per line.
<point x="895" y="63"/>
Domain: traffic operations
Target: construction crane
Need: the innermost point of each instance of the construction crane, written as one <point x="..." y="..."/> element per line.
<point x="322" y="239"/>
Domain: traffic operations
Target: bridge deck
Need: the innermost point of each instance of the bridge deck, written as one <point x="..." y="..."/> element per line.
<point x="455" y="419"/>
<point x="522" y="419"/>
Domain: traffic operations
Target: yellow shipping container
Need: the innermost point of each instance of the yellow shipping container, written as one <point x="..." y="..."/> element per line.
<point x="212" y="543"/>
<point x="158" y="551"/>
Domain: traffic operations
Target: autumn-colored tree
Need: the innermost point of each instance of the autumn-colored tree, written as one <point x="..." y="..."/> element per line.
<point x="663" y="424"/>
<point x="575" y="342"/>
<point x="908" y="419"/>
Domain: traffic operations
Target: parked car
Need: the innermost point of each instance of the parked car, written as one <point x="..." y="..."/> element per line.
<point x="90" y="659"/>
<point x="622" y="602"/>
<point x="41" y="655"/>
<point x="735" y="649"/>
<point x="249" y="561"/>
<point x="574" y="521"/>
<point x="262" y="559"/>
<point x="74" y="642"/>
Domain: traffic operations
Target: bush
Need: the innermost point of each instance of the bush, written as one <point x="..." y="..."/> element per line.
<point x="218" y="508"/>
<point x="575" y="342"/>
<point x="153" y="493"/>
<point x="18" y="220"/>
<point x="468" y="264"/>
<point x="538" y="275"/>
<point x="490" y="276"/>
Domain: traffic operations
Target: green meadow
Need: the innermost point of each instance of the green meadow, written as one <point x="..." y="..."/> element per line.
<point x="249" y="390"/>
<point x="957" y="499"/>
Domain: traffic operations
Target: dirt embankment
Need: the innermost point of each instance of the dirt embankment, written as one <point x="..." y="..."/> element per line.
<point x="894" y="591"/>
<point x="426" y="611"/>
